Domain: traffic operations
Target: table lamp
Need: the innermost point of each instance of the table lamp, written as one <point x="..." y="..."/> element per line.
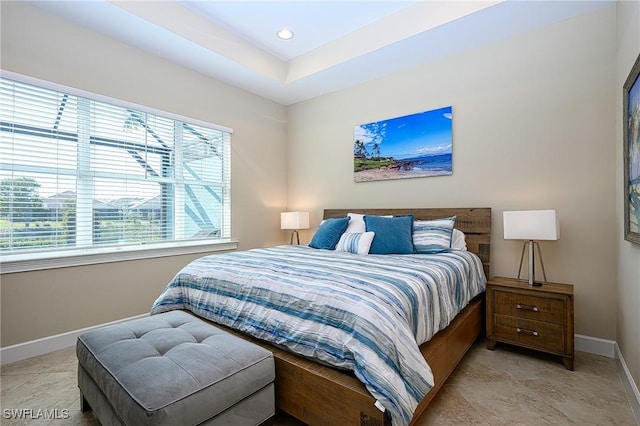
<point x="531" y="226"/>
<point x="295" y="221"/>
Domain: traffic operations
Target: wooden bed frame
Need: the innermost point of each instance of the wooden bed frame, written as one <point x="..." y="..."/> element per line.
<point x="319" y="395"/>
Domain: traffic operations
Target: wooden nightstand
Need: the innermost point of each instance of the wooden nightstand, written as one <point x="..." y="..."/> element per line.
<point x="538" y="318"/>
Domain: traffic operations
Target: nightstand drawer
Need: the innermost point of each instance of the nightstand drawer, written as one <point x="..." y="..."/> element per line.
<point x="531" y="307"/>
<point x="536" y="334"/>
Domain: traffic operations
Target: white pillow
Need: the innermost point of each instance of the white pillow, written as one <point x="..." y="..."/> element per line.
<point x="356" y="224"/>
<point x="355" y="242"/>
<point x="458" y="241"/>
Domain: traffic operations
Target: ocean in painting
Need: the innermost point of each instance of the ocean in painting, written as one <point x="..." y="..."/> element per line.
<point x="431" y="164"/>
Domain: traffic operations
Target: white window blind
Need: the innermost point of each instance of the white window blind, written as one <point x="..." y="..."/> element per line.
<point x="78" y="172"/>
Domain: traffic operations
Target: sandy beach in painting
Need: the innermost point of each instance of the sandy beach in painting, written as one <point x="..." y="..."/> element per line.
<point x="384" y="173"/>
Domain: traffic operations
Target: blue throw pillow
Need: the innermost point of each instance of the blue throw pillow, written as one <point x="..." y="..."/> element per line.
<point x="393" y="234"/>
<point x="329" y="233"/>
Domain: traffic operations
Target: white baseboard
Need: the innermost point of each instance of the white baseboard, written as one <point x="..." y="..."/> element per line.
<point x="609" y="348"/>
<point x="633" y="394"/>
<point x="48" y="344"/>
<point x="594" y="345"/>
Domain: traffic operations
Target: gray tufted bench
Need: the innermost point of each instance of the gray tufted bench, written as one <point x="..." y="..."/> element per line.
<point x="173" y="369"/>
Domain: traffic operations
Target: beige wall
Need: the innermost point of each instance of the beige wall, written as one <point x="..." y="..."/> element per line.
<point x="533" y="128"/>
<point x="45" y="303"/>
<point x="39" y="304"/>
<point x="628" y="273"/>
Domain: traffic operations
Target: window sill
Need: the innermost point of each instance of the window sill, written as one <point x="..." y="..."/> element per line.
<point x="63" y="259"/>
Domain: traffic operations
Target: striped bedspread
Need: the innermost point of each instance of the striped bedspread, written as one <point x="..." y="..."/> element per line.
<point x="367" y="314"/>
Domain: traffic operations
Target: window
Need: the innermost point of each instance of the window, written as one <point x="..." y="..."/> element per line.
<point x="81" y="173"/>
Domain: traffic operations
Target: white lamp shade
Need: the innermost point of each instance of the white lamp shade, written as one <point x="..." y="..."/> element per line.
<point x="294" y="220"/>
<point x="531" y="225"/>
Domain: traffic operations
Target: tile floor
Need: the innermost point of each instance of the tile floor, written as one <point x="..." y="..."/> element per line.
<point x="507" y="386"/>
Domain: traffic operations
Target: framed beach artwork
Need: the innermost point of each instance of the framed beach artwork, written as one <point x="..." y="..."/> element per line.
<point x="631" y="141"/>
<point x="411" y="146"/>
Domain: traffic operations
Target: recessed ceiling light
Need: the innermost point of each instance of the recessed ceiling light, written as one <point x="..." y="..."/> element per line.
<point x="285" y="34"/>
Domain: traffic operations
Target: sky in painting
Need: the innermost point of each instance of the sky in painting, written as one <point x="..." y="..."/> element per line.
<point x="420" y="134"/>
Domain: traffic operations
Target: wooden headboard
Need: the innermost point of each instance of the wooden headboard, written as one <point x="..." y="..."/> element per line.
<point x="474" y="222"/>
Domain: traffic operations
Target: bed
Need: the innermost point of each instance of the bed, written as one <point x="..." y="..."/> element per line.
<point x="353" y="354"/>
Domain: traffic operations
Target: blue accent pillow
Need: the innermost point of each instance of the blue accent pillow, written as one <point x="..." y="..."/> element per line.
<point x="393" y="235"/>
<point x="329" y="233"/>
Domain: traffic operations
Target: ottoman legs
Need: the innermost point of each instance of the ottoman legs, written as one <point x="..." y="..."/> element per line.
<point x="84" y="405"/>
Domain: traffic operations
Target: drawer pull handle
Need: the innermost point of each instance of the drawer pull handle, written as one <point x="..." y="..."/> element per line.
<point x="525" y="331"/>
<point x="527" y="307"/>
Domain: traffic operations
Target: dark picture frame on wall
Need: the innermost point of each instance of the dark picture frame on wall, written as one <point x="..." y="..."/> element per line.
<point x="631" y="155"/>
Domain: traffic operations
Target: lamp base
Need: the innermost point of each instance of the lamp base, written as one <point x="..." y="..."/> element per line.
<point x="294" y="234"/>
<point x="532" y="270"/>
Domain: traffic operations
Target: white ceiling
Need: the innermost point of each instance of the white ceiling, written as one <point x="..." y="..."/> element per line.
<point x="337" y="44"/>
